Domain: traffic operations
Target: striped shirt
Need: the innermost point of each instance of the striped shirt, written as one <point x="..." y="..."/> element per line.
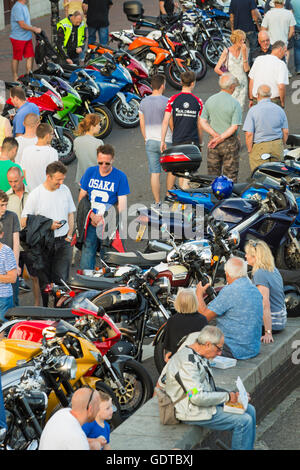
<point x="7" y="263"/>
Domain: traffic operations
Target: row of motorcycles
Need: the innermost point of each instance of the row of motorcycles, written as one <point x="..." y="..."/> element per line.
<point x="96" y="331"/>
<point x="113" y="81"/>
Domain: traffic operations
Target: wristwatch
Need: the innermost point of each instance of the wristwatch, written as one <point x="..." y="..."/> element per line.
<point x="268" y="331"/>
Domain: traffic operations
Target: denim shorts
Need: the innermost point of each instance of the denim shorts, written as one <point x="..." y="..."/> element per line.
<point x="5" y="304"/>
<point x="153" y="155"/>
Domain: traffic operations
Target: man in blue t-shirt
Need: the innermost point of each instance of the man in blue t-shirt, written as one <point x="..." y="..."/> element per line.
<point x="106" y="187"/>
<point x="18" y="99"/>
<point x="238" y="310"/>
<point x="21" y="36"/>
<point x="244" y="15"/>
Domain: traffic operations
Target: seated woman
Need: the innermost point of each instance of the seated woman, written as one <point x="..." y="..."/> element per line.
<point x="268" y="280"/>
<point x="187" y="320"/>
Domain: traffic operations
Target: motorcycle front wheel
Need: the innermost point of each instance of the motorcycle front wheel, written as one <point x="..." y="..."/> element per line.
<point x="106" y="121"/>
<point x="197" y="64"/>
<point x="212" y="49"/>
<point x="138" y="387"/>
<point x="64" y="147"/>
<point x="173" y="73"/>
<point x="126" y="117"/>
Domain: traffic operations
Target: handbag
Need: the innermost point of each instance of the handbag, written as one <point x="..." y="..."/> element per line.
<point x="167" y="407"/>
<point x="224" y="66"/>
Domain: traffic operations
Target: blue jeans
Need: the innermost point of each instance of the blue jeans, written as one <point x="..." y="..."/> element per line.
<point x="5" y="304"/>
<point x="2" y="409"/>
<point x="252" y="38"/>
<point x="89" y="250"/>
<point x="102" y="34"/>
<point x="297" y="49"/>
<point x="243" y="426"/>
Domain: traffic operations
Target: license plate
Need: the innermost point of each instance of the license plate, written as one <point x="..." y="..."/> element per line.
<point x="140" y="233"/>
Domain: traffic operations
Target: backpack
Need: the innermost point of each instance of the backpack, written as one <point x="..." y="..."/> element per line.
<point x="167" y="407"/>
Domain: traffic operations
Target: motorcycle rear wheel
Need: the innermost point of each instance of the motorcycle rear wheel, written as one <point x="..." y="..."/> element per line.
<point x="173" y="75"/>
<point x="106" y="121"/>
<point x="125" y="117"/>
<point x="65" y="148"/>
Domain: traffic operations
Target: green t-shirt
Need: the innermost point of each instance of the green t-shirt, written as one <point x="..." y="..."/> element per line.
<point x="222" y="111"/>
<point x="5" y="165"/>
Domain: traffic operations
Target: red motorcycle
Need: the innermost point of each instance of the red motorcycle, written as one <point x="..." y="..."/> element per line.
<point x="48" y="103"/>
<point x="128" y="378"/>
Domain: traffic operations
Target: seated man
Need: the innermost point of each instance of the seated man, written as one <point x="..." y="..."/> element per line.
<point x="238" y="309"/>
<point x="188" y="372"/>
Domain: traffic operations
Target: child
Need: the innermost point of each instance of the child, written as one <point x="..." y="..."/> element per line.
<point x="98" y="431"/>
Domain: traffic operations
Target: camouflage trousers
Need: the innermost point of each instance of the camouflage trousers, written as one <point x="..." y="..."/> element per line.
<point x="224" y="159"/>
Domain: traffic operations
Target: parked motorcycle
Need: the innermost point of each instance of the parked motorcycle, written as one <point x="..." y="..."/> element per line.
<point x="30" y="373"/>
<point x="138" y="72"/>
<point x="128" y="379"/>
<point x="48" y="103"/>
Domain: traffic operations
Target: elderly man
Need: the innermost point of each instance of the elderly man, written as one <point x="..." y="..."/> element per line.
<point x="266" y="129"/>
<point x="263" y="48"/>
<point x="63" y="431"/>
<point x="221" y="118"/>
<point x="270" y="70"/>
<point x="71" y="35"/>
<point x="238" y="310"/>
<point x="188" y="372"/>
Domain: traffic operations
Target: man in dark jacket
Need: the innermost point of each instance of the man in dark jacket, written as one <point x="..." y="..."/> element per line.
<point x="97" y="19"/>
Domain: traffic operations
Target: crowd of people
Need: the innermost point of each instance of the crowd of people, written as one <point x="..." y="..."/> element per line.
<point x="36" y="203"/>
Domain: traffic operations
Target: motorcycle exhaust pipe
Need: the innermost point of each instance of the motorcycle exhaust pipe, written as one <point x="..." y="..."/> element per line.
<point x="156" y="245"/>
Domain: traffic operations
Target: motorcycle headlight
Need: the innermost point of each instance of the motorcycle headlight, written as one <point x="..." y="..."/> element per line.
<point x="66" y="366"/>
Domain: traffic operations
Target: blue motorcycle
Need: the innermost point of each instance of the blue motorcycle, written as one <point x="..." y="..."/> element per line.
<point x="113" y="81"/>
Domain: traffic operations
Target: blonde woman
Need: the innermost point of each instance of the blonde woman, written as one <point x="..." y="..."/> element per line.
<point x="235" y="60"/>
<point x="86" y="144"/>
<point x="269" y="282"/>
<point x="187" y="320"/>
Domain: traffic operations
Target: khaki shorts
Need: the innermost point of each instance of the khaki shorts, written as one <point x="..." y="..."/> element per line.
<point x="274" y="147"/>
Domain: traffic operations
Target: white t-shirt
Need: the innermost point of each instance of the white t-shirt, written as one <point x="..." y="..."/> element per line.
<point x="268" y="70"/>
<point x="278" y="22"/>
<point x="35" y="160"/>
<point x="55" y="205"/>
<point x="23" y="143"/>
<point x="63" y="432"/>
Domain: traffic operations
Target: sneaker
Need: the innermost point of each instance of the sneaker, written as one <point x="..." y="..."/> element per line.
<point x="23" y="285"/>
<point x="290" y="74"/>
<point x="156" y="205"/>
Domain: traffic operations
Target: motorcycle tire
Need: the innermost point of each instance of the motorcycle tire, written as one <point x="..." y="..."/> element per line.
<point x="199" y="66"/>
<point x="106" y="121"/>
<point x="287" y="257"/>
<point x="65" y="149"/>
<point x="139" y="387"/>
<point x="173" y="75"/>
<point x="212" y="51"/>
<point x="125" y="117"/>
<point x="159" y="355"/>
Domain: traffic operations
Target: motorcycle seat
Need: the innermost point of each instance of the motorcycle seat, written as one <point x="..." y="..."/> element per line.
<point x="141" y="32"/>
<point x="39" y="313"/>
<point x="136" y="258"/>
<point x="294" y="140"/>
<point x="79" y="280"/>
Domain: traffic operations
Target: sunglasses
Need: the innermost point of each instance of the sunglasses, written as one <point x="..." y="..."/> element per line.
<point x="91" y="396"/>
<point x="104" y="163"/>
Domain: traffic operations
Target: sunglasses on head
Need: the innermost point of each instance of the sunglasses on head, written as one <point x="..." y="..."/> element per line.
<point x="91" y="396"/>
<point x="253" y="243"/>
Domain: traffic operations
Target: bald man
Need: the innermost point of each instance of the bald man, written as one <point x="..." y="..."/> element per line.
<point x="266" y="129"/>
<point x="63" y="431"/>
<point x="263" y="48"/>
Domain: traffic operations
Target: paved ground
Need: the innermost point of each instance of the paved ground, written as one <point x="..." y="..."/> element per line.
<point x="281" y="428"/>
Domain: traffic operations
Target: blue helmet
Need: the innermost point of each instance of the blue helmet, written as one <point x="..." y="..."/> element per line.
<point x="222" y="187"/>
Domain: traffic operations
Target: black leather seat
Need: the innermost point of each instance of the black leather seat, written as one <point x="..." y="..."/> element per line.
<point x="293" y="140"/>
<point x="89" y="282"/>
<point x="136" y="258"/>
<point x="41" y="313"/>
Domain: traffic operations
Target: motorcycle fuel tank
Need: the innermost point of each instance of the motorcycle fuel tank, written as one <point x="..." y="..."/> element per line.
<point x="120" y="298"/>
<point x="15" y="351"/>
